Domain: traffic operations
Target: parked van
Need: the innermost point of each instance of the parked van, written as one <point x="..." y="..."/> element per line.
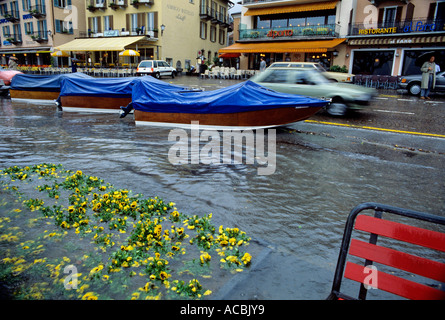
<point x="155" y="68"/>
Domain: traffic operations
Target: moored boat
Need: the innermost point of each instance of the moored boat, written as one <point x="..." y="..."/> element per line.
<point x="104" y="94"/>
<point x="246" y="105"/>
<point x="40" y="87"/>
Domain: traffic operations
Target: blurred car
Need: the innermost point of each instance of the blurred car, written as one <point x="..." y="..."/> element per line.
<point x="333" y="76"/>
<point x="310" y="82"/>
<point x="155" y="68"/>
<point x="412" y="83"/>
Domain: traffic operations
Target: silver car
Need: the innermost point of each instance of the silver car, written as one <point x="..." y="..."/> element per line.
<point x="412" y="83"/>
<point x="309" y="82"/>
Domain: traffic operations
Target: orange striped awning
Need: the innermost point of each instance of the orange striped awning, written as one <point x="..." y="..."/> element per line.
<point x="282" y="47"/>
<point x="295" y="8"/>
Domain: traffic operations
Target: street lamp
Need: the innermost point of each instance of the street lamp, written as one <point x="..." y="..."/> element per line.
<point x="162" y="29"/>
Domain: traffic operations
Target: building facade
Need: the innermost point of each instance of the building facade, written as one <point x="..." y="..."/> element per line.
<point x="176" y="31"/>
<point x="388" y="36"/>
<point x="292" y="30"/>
<point x="30" y="29"/>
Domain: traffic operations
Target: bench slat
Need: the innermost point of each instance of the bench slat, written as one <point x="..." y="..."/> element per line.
<point x="393" y="284"/>
<point x="426" y="238"/>
<point x="400" y="260"/>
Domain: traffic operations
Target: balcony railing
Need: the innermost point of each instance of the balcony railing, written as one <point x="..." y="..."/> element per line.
<point x="319" y="31"/>
<point x="12" y="15"/>
<point x="400" y="27"/>
<point x="137" y="3"/>
<point x="94" y="5"/>
<point x="14" y="38"/>
<point x="38" y="36"/>
<point x="37" y="11"/>
<point x="116" y="4"/>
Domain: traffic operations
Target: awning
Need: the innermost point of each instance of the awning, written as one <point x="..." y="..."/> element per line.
<point x="99" y="44"/>
<point x="282" y="47"/>
<point x="396" y="41"/>
<point x="295" y="8"/>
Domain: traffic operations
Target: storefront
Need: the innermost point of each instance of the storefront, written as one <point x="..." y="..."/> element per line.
<point x="393" y="55"/>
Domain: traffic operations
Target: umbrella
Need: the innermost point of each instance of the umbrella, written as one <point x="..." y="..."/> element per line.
<point x="13" y="58"/>
<point x="60" y="54"/>
<point x="129" y="53"/>
<point x="424" y="57"/>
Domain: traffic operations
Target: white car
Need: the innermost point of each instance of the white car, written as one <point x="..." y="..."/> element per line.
<point x="332" y="76"/>
<point x="155" y="68"/>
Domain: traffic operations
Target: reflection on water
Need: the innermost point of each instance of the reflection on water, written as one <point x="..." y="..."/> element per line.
<point x="300" y="209"/>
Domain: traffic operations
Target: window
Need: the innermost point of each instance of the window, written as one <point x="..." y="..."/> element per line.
<point x="152" y="21"/>
<point x="6" y="31"/>
<point x="26" y="5"/>
<point x="212" y="33"/>
<point x="389" y="16"/>
<point x="277" y="76"/>
<point x="108" y="23"/>
<point x="203" y="30"/>
<point x="222" y="36"/>
<point x="61" y="3"/>
<point x="29" y="28"/>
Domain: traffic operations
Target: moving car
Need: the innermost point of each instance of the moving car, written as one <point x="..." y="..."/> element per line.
<point x="333" y="76"/>
<point x="310" y="82"/>
<point x="412" y="83"/>
<point x="155" y="68"/>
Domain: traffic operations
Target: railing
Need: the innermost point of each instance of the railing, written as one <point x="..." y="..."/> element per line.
<point x="37" y="11"/>
<point x="328" y="30"/>
<point x="39" y="36"/>
<point x="14" y="38"/>
<point x="399" y="27"/>
<point x="12" y="15"/>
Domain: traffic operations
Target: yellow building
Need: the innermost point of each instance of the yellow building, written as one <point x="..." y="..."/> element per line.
<point x="176" y="31"/>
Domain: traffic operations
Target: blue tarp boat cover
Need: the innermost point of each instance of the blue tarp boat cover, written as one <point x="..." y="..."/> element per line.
<point x="110" y="87"/>
<point x="50" y="83"/>
<point x="241" y="97"/>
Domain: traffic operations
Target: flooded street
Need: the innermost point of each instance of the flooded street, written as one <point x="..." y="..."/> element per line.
<point x="299" y="211"/>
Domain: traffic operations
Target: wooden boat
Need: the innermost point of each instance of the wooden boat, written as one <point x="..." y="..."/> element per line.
<point x="241" y="106"/>
<point x="39" y="87"/>
<point x="103" y="94"/>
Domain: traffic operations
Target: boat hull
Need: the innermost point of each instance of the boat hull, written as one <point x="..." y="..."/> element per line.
<point x="35" y="95"/>
<point x="98" y="104"/>
<point x="241" y="120"/>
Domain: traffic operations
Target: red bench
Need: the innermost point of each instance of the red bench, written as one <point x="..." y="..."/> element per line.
<point x="370" y="275"/>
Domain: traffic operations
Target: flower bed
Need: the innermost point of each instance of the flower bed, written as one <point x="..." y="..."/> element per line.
<point x="65" y="234"/>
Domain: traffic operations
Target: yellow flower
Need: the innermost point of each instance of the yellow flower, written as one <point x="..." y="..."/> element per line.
<point x="208" y="292"/>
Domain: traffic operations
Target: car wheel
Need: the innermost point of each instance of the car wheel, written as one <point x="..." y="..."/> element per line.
<point x="414" y="89"/>
<point x="337" y="108"/>
<point x="173" y="74"/>
<point x="157" y="75"/>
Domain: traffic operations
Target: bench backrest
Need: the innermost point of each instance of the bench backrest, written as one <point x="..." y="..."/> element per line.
<point x="367" y="274"/>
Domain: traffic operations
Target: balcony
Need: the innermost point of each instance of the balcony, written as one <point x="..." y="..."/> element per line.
<point x="15" y="39"/>
<point x="94" y="5"/>
<point x="116" y="4"/>
<point x="205" y="12"/>
<point x="37" y="11"/>
<point x="39" y="36"/>
<point x="12" y="16"/>
<point x="289" y="33"/>
<point x="404" y="27"/>
<point x="137" y="3"/>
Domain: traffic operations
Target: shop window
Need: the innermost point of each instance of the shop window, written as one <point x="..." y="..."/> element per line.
<point x="373" y="62"/>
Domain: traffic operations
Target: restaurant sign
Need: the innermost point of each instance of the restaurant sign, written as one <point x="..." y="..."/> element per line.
<point x="418" y="26"/>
